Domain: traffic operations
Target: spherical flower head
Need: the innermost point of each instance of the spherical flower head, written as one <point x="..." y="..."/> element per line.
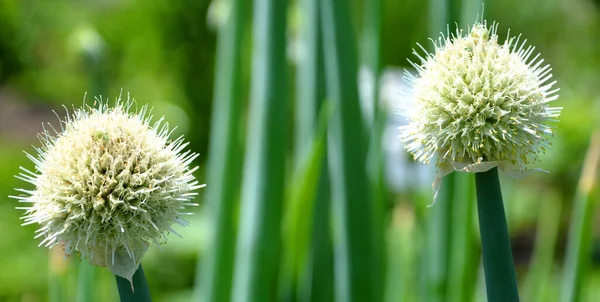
<point x="479" y="104"/>
<point x="108" y="184"/>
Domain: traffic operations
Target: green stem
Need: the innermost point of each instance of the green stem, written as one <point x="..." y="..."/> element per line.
<point x="439" y="236"/>
<point x="371" y="59"/>
<point x="310" y="90"/>
<point x="540" y="270"/>
<point x="57" y="268"/>
<point x="140" y="291"/>
<point x="463" y="262"/>
<point x="357" y="266"/>
<point x="316" y="282"/>
<point x="579" y="246"/>
<point x="500" y="277"/>
<point x="318" y="285"/>
<point x="579" y="249"/>
<point x="225" y="158"/>
<point x="85" y="282"/>
<point x="259" y="236"/>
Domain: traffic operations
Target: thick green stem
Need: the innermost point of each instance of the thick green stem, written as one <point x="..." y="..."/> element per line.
<point x="136" y="292"/>
<point x="500" y="277"/>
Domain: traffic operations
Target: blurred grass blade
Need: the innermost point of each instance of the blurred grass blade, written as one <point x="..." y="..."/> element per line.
<point x="439" y="227"/>
<point x="464" y="256"/>
<point x="401" y="255"/>
<point x="579" y="245"/>
<point x="85" y="282"/>
<point x="443" y="14"/>
<point x="356" y="268"/>
<point x="498" y="265"/>
<point x="310" y="79"/>
<point x="316" y="282"/>
<point x="472" y="11"/>
<point x="258" y="243"/>
<point x="422" y="213"/>
<point x="540" y="270"/>
<point x="225" y="159"/>
<point x="57" y="269"/>
<point x="301" y="203"/>
<point x="371" y="47"/>
<point x="439" y="234"/>
<point x="140" y="291"/>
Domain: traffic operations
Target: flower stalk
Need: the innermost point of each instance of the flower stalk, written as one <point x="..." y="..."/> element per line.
<point x="135" y="291"/>
<point x="500" y="277"/>
<point x="479" y="106"/>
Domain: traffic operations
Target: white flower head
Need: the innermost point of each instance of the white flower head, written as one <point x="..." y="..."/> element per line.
<point x="108" y="184"/>
<point x="479" y="104"/>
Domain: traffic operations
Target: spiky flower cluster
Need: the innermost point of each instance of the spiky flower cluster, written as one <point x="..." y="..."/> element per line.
<point x="108" y="184"/>
<point x="478" y="103"/>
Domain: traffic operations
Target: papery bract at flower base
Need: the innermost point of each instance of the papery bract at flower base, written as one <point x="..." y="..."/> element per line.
<point x="478" y="104"/>
<point x="108" y="184"/>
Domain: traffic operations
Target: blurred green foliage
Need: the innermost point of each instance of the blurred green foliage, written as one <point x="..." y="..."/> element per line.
<point x="162" y="53"/>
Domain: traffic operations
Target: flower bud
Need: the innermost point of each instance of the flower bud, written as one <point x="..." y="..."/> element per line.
<point x="109" y="184"/>
<point x="479" y="104"/>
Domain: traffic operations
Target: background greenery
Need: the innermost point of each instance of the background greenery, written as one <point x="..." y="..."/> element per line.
<point x="163" y="53"/>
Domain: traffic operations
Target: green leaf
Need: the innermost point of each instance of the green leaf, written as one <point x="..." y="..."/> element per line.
<point x="316" y="280"/>
<point x="258" y="242"/>
<point x="439" y="238"/>
<point x="579" y="245"/>
<point x="356" y="266"/>
<point x="542" y="263"/>
<point x="464" y="251"/>
<point x="297" y="226"/>
<point x="371" y="46"/>
<point x="225" y="159"/>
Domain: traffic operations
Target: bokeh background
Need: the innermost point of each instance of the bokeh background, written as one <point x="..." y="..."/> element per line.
<point x="66" y="52"/>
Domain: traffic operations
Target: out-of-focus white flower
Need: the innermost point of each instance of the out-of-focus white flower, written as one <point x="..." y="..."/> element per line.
<point x="85" y="39"/>
<point x="401" y="173"/>
<point x="108" y="184"/>
<point x="218" y="13"/>
<point x="479" y="104"/>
